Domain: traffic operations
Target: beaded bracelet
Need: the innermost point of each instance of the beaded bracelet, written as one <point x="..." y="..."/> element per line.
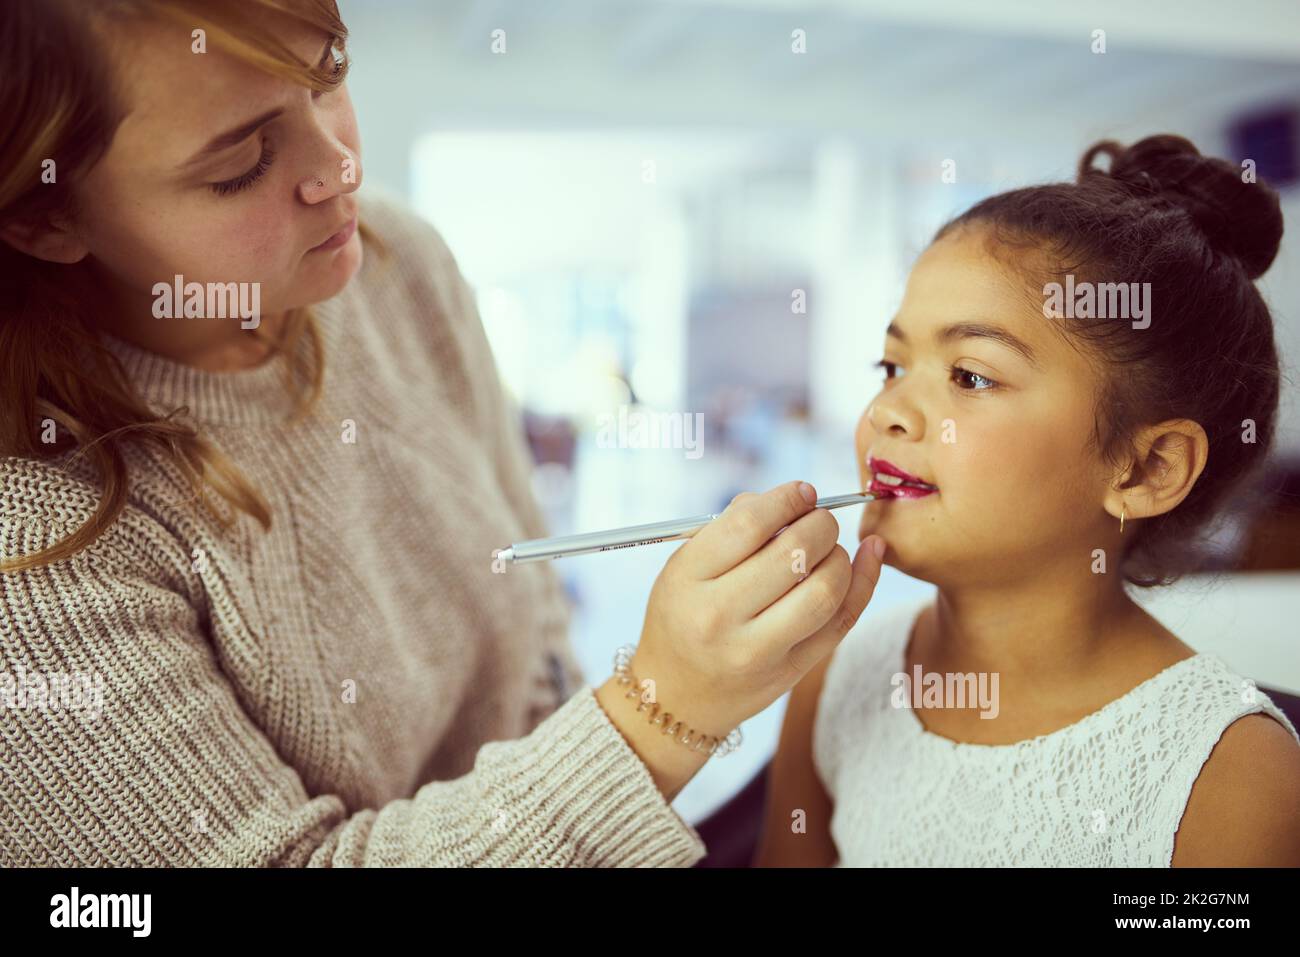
<point x="708" y="744"/>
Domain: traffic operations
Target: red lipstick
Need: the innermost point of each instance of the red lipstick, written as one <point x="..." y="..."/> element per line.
<point x="899" y="484"/>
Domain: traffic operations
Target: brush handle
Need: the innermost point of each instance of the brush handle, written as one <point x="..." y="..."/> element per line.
<point x="565" y="546"/>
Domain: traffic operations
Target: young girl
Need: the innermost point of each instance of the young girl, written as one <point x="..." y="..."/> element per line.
<point x="1054" y="451"/>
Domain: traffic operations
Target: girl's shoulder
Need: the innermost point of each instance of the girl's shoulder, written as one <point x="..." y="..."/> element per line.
<point x="1219" y="732"/>
<point x="1207" y="692"/>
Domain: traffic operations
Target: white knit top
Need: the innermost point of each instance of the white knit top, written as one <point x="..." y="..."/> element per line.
<point x="1106" y="791"/>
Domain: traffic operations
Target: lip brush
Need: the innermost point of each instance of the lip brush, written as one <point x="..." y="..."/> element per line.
<point x="543" y="549"/>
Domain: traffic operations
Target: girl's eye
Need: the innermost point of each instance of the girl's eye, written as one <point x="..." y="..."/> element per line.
<point x="958" y="373"/>
<point x="247" y="179"/>
<point x="891" y="368"/>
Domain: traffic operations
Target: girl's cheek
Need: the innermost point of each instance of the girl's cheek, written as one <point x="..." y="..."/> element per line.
<point x="862" y="441"/>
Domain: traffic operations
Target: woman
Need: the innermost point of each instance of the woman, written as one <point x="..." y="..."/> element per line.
<point x="317" y="665"/>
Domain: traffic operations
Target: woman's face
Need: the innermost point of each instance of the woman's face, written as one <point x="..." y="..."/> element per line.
<point x="289" y="157"/>
<point x="1005" y="439"/>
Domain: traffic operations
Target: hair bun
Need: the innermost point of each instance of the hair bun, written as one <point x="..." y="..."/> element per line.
<point x="1239" y="219"/>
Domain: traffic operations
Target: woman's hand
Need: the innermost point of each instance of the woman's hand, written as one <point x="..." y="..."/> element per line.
<point x="737" y="618"/>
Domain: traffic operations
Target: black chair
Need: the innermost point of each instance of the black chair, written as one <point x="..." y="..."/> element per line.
<point x="731" y="832"/>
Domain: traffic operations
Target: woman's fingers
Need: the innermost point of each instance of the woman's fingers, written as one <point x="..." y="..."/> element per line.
<point x="821" y="608"/>
<point x="807" y="606"/>
<point x="743" y="528"/>
<point x="782" y="563"/>
<point x="866" y="574"/>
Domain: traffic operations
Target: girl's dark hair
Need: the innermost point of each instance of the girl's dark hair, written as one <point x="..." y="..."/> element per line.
<point x="1200" y="231"/>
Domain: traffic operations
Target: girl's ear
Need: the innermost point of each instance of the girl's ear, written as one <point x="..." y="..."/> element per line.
<point x="1170" y="458"/>
<point x="46" y="237"/>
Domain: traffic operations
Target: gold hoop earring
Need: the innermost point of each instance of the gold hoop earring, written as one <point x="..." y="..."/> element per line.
<point x="1123" y="508"/>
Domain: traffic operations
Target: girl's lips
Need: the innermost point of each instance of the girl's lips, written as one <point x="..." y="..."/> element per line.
<point x="916" y="487"/>
<point x="882" y="490"/>
<point x="884" y="467"/>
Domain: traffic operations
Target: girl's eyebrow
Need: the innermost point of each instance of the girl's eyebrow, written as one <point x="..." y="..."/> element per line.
<point x="975" y="330"/>
<point x="237" y="135"/>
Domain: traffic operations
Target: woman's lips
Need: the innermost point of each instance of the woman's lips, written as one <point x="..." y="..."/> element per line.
<point x="338" y="239"/>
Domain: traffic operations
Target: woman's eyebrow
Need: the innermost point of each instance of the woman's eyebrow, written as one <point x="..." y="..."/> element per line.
<point x="237" y="135"/>
<point x="230" y="138"/>
<point x="975" y="330"/>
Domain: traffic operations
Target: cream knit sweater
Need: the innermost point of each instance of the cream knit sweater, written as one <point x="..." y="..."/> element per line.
<point x="355" y="687"/>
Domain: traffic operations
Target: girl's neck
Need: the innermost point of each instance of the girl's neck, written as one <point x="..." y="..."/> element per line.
<point x="1045" y="631"/>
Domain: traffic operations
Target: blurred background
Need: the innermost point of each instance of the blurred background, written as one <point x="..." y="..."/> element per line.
<point x="688" y="222"/>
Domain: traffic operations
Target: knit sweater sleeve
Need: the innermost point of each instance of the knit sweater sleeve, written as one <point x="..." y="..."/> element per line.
<point x="170" y="769"/>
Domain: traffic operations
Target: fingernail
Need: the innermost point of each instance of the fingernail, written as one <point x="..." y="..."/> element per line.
<point x="808" y="492"/>
<point x="878" y="546"/>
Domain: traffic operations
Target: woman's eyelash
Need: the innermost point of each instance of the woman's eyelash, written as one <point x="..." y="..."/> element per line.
<point x="247" y="179"/>
<point x="954" y="371"/>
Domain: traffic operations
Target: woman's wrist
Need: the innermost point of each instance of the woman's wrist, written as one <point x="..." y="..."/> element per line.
<point x="642" y="693"/>
<point x="670" y="763"/>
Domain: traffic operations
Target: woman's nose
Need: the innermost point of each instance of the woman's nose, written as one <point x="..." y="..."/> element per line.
<point x="342" y="176"/>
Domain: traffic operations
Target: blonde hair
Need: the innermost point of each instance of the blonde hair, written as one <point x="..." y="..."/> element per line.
<point x="53" y="365"/>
